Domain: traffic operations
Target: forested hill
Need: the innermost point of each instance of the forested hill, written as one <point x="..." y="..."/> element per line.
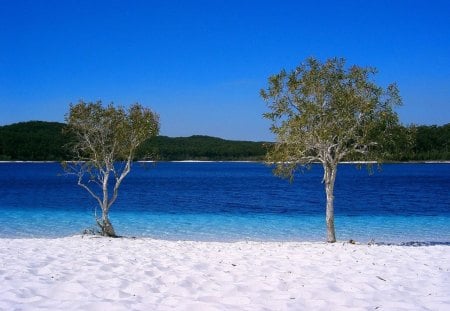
<point x="40" y="141"/>
<point x="32" y="141"/>
<point x="44" y="141"/>
<point x="200" y="148"/>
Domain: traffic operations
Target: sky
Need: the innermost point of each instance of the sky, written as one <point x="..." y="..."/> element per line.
<point x="201" y="64"/>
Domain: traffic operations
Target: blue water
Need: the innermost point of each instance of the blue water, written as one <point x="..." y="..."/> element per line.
<point x="233" y="201"/>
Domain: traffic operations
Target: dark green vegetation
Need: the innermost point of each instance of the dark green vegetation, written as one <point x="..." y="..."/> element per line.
<point x="431" y="143"/>
<point x="200" y="148"/>
<point x="44" y="141"/>
<point x="39" y="141"/>
<point x="33" y="141"/>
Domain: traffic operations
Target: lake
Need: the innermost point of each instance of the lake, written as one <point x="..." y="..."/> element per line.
<point x="229" y="201"/>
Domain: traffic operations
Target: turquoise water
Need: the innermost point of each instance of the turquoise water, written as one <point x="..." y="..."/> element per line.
<point x="233" y="201"/>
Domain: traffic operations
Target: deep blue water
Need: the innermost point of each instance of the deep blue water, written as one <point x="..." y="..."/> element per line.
<point x="233" y="201"/>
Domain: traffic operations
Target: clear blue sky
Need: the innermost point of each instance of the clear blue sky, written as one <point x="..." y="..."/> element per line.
<point x="201" y="64"/>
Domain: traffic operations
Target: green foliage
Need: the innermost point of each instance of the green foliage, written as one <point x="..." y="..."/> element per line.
<point x="43" y="141"/>
<point x="200" y="148"/>
<point x="33" y="141"/>
<point x="431" y="143"/>
<point x="325" y="112"/>
<point x="108" y="133"/>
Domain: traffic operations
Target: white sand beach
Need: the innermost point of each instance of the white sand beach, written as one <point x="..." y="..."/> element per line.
<point x="92" y="273"/>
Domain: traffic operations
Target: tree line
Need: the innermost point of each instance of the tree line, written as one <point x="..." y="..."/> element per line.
<point x="45" y="141"/>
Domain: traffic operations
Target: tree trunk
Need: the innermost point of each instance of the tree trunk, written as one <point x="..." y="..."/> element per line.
<point x="106" y="226"/>
<point x="329" y="179"/>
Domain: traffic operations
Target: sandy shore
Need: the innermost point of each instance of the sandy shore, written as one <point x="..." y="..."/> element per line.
<point x="92" y="273"/>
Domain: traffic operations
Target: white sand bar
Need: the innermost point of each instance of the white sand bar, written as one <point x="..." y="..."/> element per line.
<point x="91" y="273"/>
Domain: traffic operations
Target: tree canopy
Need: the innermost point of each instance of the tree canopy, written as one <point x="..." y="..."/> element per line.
<point x="105" y="133"/>
<point x="323" y="112"/>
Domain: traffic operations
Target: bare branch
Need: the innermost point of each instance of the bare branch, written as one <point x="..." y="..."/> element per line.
<point x="80" y="183"/>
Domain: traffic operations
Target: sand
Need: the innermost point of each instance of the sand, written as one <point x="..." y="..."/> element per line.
<point x="92" y="273"/>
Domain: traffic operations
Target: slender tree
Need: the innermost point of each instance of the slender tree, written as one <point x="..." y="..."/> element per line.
<point x="104" y="143"/>
<point x="324" y="112"/>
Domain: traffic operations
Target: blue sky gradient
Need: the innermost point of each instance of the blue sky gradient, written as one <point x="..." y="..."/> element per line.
<point x="201" y="64"/>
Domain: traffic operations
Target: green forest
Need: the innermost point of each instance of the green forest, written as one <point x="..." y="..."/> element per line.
<point x="45" y="141"/>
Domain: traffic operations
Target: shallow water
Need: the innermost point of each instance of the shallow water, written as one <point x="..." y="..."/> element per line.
<point x="233" y="201"/>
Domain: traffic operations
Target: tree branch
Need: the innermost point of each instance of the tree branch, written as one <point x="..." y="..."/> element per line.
<point x="81" y="184"/>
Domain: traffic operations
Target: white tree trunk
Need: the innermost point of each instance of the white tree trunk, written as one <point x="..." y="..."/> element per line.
<point x="105" y="224"/>
<point x="330" y="170"/>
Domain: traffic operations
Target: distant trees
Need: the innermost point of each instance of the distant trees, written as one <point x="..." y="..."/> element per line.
<point x="33" y="141"/>
<point x="324" y="112"/>
<point x="104" y="142"/>
<point x="201" y="148"/>
<point x="431" y="143"/>
<point x="43" y="141"/>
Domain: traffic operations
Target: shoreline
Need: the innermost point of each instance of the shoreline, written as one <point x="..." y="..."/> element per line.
<point x="250" y="161"/>
<point x="411" y="243"/>
<point x="88" y="273"/>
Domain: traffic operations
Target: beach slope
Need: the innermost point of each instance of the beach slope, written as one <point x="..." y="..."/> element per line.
<point x="92" y="273"/>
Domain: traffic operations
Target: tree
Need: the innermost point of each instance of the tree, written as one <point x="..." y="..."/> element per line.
<point x="104" y="143"/>
<point x="325" y="113"/>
